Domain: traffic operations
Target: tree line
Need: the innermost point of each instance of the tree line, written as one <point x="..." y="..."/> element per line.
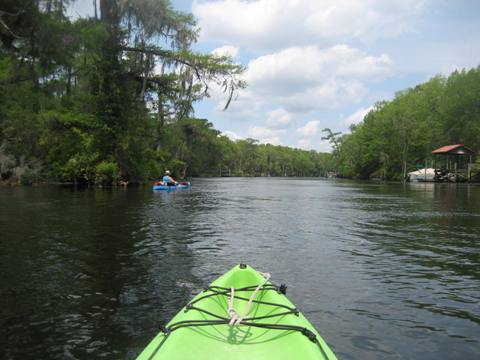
<point x="194" y="147"/>
<point x="110" y="97"/>
<point x="397" y="136"/>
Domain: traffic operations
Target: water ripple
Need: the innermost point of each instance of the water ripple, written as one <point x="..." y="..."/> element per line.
<point x="92" y="274"/>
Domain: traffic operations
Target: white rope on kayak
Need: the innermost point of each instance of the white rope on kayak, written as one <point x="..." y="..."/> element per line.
<point x="231" y="311"/>
<point x="235" y="319"/>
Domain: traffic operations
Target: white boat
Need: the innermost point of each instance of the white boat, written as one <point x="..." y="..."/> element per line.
<point x="427" y="174"/>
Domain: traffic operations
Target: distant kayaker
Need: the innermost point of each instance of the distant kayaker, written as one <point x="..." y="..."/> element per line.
<point x="168" y="180"/>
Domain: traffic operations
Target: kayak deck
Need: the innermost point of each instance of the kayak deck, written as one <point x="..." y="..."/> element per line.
<point x="272" y="329"/>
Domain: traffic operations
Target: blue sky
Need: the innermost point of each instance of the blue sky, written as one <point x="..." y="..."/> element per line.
<point x="323" y="63"/>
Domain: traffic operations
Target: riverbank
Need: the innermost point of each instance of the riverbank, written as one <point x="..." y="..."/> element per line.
<point x="149" y="183"/>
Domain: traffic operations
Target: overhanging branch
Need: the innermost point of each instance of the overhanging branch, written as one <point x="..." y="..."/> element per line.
<point x="218" y="69"/>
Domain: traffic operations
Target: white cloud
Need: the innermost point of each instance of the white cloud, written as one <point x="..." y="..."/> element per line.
<point x="265" y="135"/>
<point x="312" y="78"/>
<point x="231" y="135"/>
<point x="260" y="132"/>
<point x="305" y="144"/>
<point x="273" y="140"/>
<point x="310" y="129"/>
<point x="313" y="144"/>
<point x="297" y="65"/>
<point x="226" y="50"/>
<point x="326" y="96"/>
<point x="270" y="24"/>
<point x="358" y="116"/>
<point x="365" y="20"/>
<point x="235" y="19"/>
<point x="279" y="118"/>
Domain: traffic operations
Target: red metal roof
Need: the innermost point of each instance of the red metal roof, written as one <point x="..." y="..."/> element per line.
<point x="447" y="148"/>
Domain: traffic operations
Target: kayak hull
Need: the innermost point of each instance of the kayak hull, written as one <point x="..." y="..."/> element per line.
<point x="272" y="329"/>
<point x="180" y="186"/>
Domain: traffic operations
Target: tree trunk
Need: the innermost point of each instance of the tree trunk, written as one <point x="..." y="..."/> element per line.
<point x="95" y="9"/>
<point x="110" y="100"/>
<point x="145" y="77"/>
<point x="69" y="81"/>
<point x="404" y="158"/>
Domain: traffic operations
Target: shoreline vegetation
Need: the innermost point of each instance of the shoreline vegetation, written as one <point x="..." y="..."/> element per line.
<point x="398" y="136"/>
<point x="109" y="99"/>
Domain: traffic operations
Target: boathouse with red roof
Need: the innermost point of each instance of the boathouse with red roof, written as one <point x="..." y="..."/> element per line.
<point x="453" y="163"/>
<point x="458" y="149"/>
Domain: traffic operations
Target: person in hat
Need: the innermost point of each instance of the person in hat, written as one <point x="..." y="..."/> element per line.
<point x="167" y="179"/>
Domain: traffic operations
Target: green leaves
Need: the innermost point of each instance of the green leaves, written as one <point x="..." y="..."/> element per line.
<point x="401" y="133"/>
<point x="98" y="100"/>
<point x="193" y="147"/>
<point x="106" y="173"/>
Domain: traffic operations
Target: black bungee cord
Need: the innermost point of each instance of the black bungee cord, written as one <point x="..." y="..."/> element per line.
<point x="248" y="321"/>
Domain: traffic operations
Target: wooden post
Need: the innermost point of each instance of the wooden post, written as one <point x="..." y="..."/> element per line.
<point x="425" y="178"/>
<point x="469" y="172"/>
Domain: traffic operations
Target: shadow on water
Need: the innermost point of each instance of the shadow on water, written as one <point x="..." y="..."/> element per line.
<point x="84" y="271"/>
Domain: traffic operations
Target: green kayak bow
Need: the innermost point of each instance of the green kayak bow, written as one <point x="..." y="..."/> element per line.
<point x="240" y="316"/>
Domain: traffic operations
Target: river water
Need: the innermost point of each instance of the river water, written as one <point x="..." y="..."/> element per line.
<point x="383" y="271"/>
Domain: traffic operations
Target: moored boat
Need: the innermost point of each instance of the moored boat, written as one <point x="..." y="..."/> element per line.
<point x="422" y="175"/>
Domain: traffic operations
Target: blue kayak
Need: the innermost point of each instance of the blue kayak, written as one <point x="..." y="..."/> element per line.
<point x="181" y="185"/>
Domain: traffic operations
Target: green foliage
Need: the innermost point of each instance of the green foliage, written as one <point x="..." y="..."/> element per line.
<point x="397" y="135"/>
<point x="84" y="97"/>
<point x="30" y="177"/>
<point x="99" y="100"/>
<point x="106" y="173"/>
<point x="192" y="147"/>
